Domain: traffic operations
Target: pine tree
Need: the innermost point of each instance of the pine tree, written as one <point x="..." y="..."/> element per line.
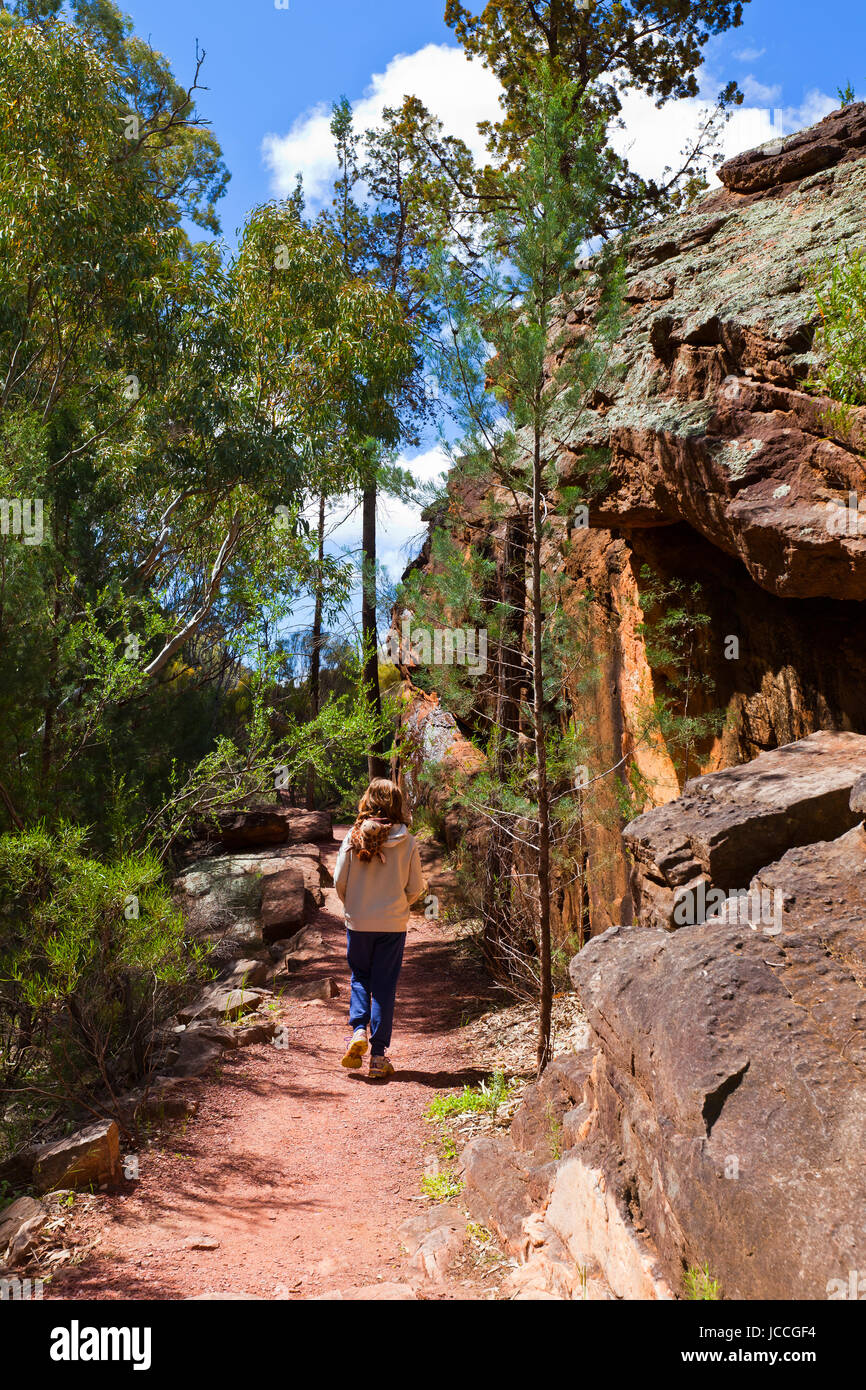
<point x="514" y="408"/>
<point x="602" y="49"/>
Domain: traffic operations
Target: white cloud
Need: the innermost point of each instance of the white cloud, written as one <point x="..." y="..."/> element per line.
<point x="653" y="138"/>
<point x="749" y="55"/>
<point x="758" y="93"/>
<point x="460" y="91"/>
<point x="400" y="524"/>
<point x="427" y="467"/>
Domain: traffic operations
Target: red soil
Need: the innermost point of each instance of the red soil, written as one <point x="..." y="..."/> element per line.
<point x="302" y="1171"/>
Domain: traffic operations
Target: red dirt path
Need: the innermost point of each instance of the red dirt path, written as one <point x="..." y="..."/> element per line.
<point x="302" y="1171"/>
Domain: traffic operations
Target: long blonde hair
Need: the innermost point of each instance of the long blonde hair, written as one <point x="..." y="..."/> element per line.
<point x="380" y="808"/>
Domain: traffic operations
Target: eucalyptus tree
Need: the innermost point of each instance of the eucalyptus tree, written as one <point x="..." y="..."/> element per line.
<point x="157" y="113"/>
<point x="168" y="412"/>
<point x="392" y="199"/>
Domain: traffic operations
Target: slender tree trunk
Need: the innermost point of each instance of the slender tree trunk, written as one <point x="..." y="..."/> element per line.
<point x="51" y="699"/>
<point x="543" y="827"/>
<point x="496" y="908"/>
<point x="376" y="764"/>
<point x="10" y="808"/>
<point x="316" y="653"/>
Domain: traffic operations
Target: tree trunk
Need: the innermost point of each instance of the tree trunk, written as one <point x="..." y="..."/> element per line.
<point x="546" y="988"/>
<point x="10" y="808"/>
<point x="316" y="652"/>
<point x="51" y="699"/>
<point x="496" y="903"/>
<point x="377" y="767"/>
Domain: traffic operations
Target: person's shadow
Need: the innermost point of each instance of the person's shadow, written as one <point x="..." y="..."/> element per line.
<point x="436" y="1080"/>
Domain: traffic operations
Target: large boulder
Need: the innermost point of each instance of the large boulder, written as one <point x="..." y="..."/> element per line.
<point x="730" y="1090"/>
<point x="786" y="160"/>
<point x="728" y="1085"/>
<point x="239" y="903"/>
<point x="308" y="859"/>
<point x="716" y="1117"/>
<point x="275" y="824"/>
<point x="729" y="824"/>
<point x="283" y="903"/>
<point x="248" y="829"/>
<point x="88" y="1158"/>
<point x="306" y="827"/>
<point x="556" y="1200"/>
<point x="21" y="1223"/>
<point x="222" y="900"/>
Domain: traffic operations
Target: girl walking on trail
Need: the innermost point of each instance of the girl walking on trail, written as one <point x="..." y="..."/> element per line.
<point x="378" y="877"/>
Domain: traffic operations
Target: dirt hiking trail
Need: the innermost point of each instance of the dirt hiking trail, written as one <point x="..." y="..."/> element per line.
<point x="295" y="1176"/>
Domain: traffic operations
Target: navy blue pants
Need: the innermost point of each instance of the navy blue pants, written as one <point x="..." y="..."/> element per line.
<point x="375" y="958"/>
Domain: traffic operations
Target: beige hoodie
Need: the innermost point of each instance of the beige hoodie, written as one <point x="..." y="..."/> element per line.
<point x="377" y="896"/>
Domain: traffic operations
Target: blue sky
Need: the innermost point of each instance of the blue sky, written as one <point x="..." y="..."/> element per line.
<point x="273" y="73"/>
<point x="267" y="67"/>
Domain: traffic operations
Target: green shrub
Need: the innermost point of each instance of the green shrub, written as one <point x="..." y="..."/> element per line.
<point x="699" y="1284"/>
<point x="488" y="1096"/>
<point x="93" y="958"/>
<point x="840" y="291"/>
<point x="440" y="1187"/>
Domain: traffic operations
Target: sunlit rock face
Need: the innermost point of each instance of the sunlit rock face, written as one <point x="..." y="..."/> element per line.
<point x="714" y="1115"/>
<point x="724" y="472"/>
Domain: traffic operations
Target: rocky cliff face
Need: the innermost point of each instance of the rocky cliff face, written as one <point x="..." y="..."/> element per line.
<point x="717" y="1115"/>
<point x="723" y="472"/>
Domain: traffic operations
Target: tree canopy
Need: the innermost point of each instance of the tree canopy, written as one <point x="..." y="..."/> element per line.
<point x="604" y="48"/>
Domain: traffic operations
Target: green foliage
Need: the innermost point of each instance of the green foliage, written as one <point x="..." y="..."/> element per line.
<point x="632" y="794"/>
<point x="441" y="1187"/>
<point x="514" y="411"/>
<point x="93" y="958"/>
<point x="602" y="50"/>
<point x="672" y="627"/>
<point x="328" y="348"/>
<point x="173" y="476"/>
<point x="554" y="1132"/>
<point x="182" y="158"/>
<point x="397" y="190"/>
<point x="839" y="284"/>
<point x="487" y="1097"/>
<point x="484" y="1099"/>
<point x="173" y="410"/>
<point x="699" y="1284"/>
